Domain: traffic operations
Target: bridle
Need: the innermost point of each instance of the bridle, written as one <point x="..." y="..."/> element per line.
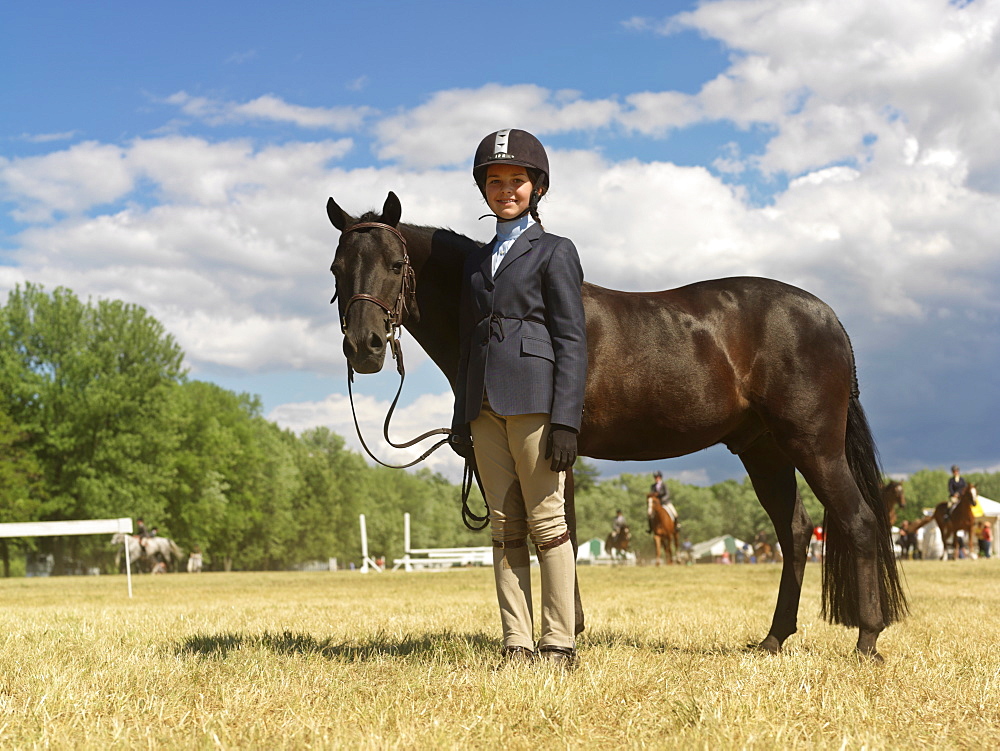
<point x="394" y="313"/>
<point x="394" y="316"/>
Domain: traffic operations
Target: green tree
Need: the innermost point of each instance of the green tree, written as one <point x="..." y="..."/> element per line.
<point x="86" y="382"/>
<point x="20" y="483"/>
<point x="585" y="475"/>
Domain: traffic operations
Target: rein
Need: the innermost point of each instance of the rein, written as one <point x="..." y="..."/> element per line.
<point x="393" y="322"/>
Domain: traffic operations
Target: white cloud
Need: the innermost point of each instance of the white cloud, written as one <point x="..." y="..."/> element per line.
<point x="439" y="132"/>
<point x="826" y="75"/>
<point x="79" y="178"/>
<point x="269" y="108"/>
<point x="48" y="137"/>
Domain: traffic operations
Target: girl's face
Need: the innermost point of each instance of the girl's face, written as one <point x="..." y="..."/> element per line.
<point x="508" y="190"/>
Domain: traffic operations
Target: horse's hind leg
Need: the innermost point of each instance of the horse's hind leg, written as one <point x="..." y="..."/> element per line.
<point x="570" y="496"/>
<point x="851" y="565"/>
<point x="773" y="479"/>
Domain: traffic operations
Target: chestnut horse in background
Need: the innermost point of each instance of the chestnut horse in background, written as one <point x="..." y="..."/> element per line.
<point x="664" y="531"/>
<point x="762" y="367"/>
<point x="961" y="518"/>
<point x="892" y="496"/>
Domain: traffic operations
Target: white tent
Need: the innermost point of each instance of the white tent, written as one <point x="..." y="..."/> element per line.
<point x="715" y="547"/>
<point x="990" y="508"/>
<point x="594" y="552"/>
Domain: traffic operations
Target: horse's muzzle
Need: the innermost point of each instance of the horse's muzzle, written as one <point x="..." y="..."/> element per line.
<point x="365" y="354"/>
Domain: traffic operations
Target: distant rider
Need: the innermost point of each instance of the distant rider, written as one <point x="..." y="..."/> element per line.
<point x="141" y="533"/>
<point x="956" y="486"/>
<point x="618" y="525"/>
<point x="662" y="492"/>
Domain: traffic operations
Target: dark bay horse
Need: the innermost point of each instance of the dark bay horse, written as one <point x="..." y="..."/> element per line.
<point x="892" y="496"/>
<point x="618" y="542"/>
<point x="762" y="367"/>
<point x="664" y="531"/>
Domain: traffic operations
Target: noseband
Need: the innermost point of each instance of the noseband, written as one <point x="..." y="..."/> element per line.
<point x="394" y="313"/>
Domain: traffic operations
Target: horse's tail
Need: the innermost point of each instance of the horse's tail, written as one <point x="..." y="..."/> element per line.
<point x="840" y="580"/>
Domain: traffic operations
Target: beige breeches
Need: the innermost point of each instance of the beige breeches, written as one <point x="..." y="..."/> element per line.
<point x="526" y="500"/>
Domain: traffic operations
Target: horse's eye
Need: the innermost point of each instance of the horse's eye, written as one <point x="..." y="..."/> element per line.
<point x="397" y="266"/>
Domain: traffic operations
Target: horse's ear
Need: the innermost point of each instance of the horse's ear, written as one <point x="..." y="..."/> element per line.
<point x="392" y="210"/>
<point x="338" y="217"/>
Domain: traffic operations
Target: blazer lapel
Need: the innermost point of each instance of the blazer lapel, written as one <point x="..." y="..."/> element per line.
<point x="486" y="264"/>
<point x="521" y="246"/>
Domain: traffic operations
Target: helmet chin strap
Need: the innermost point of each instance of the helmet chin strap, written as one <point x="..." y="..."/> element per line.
<point x="512" y="219"/>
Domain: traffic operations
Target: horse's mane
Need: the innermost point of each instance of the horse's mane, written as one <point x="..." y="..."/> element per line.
<point x="441" y="235"/>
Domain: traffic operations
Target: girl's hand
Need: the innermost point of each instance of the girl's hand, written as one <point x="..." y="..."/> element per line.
<point x="561" y="446"/>
<point x="462" y="445"/>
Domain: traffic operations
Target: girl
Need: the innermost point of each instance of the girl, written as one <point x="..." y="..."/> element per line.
<point x="519" y="391"/>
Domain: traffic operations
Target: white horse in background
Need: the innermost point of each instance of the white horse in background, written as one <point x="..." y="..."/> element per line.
<point x="146" y="554"/>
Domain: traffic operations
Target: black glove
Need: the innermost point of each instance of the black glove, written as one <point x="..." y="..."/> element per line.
<point x="461" y="444"/>
<point x="561" y="447"/>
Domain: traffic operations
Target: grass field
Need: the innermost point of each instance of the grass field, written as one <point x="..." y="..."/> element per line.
<point x="299" y="660"/>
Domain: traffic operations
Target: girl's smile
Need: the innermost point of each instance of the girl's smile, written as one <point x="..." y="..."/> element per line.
<point x="508" y="190"/>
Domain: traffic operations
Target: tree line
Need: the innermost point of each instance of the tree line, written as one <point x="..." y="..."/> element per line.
<point x="98" y="419"/>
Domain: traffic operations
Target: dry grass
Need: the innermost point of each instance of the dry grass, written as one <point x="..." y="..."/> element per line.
<point x="409" y="661"/>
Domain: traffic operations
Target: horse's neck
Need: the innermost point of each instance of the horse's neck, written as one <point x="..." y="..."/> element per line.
<point x="438" y="257"/>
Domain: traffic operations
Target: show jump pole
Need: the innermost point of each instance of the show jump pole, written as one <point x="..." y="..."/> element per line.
<point x="366" y="562"/>
<point x="81" y="527"/>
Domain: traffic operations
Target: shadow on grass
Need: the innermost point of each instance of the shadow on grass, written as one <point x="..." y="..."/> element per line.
<point x="444" y="645"/>
<point x="610" y="639"/>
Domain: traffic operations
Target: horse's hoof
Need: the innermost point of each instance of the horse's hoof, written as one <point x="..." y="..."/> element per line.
<point x="870" y="655"/>
<point x="771" y="645"/>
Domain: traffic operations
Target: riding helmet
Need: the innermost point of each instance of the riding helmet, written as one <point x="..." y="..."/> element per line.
<point x="511" y="146"/>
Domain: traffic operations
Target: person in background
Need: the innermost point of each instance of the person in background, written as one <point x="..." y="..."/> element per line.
<point x="956" y="483"/>
<point x="662" y="492"/>
<point x="816" y="546"/>
<point x="141" y="533"/>
<point x="619" y="523"/>
<point x="904" y="540"/>
<point x="956" y="486"/>
<point x="986" y="540"/>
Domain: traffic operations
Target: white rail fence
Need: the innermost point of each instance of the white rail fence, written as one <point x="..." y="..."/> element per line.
<point x="419" y="559"/>
<point x="80" y="527"/>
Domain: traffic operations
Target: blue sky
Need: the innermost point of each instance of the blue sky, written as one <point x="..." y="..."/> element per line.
<point x="179" y="156"/>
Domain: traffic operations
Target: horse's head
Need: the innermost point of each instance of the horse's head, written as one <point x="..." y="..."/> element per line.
<point x="970" y="495"/>
<point x="375" y="282"/>
<point x="896" y="488"/>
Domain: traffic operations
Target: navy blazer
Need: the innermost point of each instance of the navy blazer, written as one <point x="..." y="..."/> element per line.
<point x="523" y="334"/>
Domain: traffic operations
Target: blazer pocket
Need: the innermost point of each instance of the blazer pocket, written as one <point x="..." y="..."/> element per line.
<point x="537" y="348"/>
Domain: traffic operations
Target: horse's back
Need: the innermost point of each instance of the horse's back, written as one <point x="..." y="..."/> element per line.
<point x="706" y="355"/>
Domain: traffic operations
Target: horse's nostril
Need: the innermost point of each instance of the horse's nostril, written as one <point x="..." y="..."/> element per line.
<point x="375" y="342"/>
<point x="349" y="348"/>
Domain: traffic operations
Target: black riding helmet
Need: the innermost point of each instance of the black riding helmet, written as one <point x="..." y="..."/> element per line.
<point x="512" y="146"/>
